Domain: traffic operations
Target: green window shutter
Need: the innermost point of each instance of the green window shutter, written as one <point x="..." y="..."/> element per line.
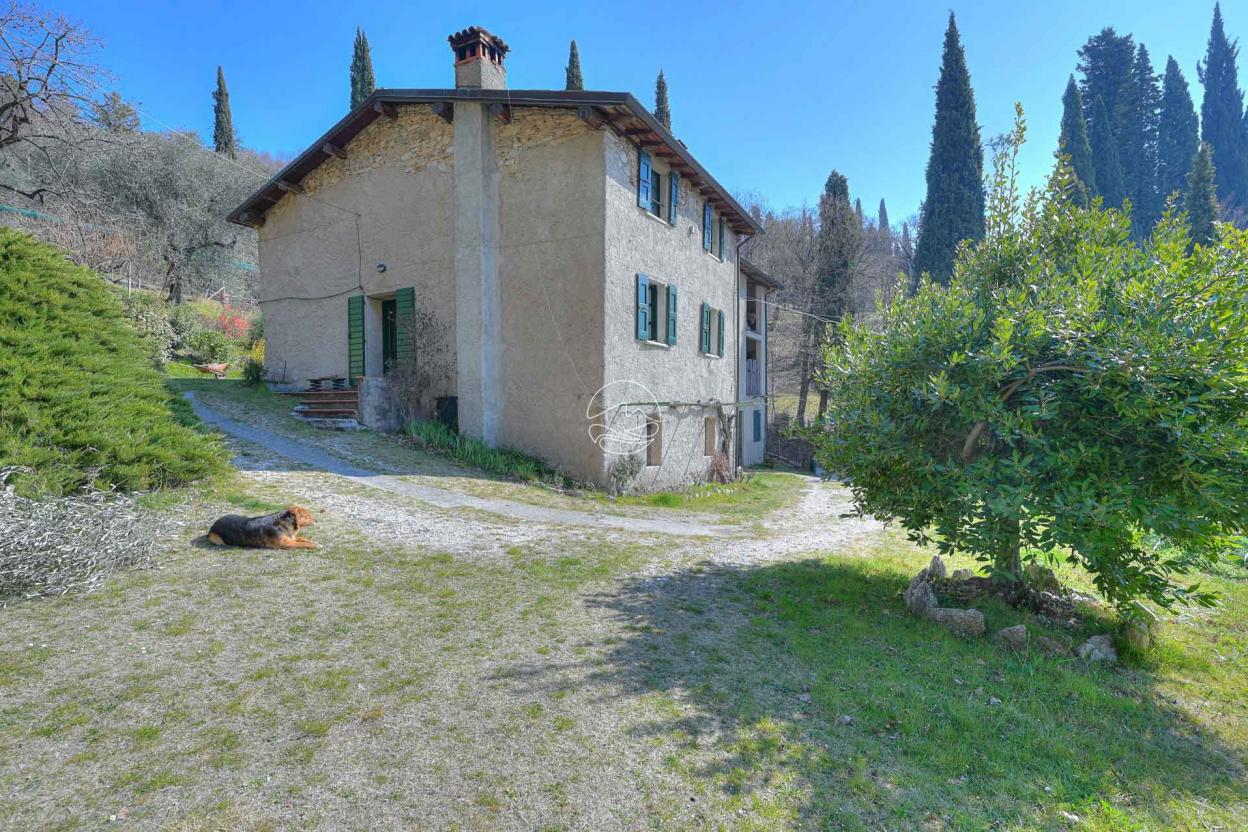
<point x="673" y="196"/>
<point x="720" y="322"/>
<point x="355" y="337"/>
<point x="706" y="329"/>
<point x="671" y="315"/>
<point x="643" y="180"/>
<point x="405" y="324"/>
<point x="706" y="226"/>
<point x="723" y="236"/>
<point x="643" y="307"/>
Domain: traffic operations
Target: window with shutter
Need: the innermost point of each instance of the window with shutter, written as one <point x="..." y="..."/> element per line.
<point x="656" y="193"/>
<point x="723" y="236"/>
<point x="673" y="196"/>
<point x="720" y="334"/>
<point x="705" y="343"/>
<point x="644" y="181"/>
<point x="405" y="329"/>
<point x="671" y="316"/>
<point x="643" y="307"/>
<point x="706" y="225"/>
<point x="355" y="337"/>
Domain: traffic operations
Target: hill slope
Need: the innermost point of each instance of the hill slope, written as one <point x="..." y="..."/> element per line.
<point x="80" y="401"/>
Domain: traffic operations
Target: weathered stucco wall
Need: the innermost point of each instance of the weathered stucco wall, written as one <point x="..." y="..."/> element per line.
<point x="550" y="261"/>
<point x="398" y="177"/>
<point x="636" y="241"/>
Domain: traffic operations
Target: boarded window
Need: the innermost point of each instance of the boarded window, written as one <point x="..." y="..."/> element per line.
<point x="710" y="438"/>
<point x="654" y="439"/>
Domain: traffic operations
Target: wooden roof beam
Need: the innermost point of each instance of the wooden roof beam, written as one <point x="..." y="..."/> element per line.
<point x="331" y="149"/>
<point x="444" y="110"/>
<point x="592" y="116"/>
<point x="386" y="109"/>
<point x="502" y="112"/>
<point x="289" y="187"/>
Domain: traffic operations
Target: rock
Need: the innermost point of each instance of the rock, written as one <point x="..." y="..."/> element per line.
<point x="1098" y="649"/>
<point x="1069" y="817"/>
<point x="920" y="598"/>
<point x="1139" y="635"/>
<point x="803" y="697"/>
<point x="936" y="569"/>
<point x="1013" y="638"/>
<point x="1041" y="577"/>
<point x="962" y="575"/>
<point x="1052" y="646"/>
<point x="992" y="700"/>
<point x="844" y="719"/>
<point x="960" y="622"/>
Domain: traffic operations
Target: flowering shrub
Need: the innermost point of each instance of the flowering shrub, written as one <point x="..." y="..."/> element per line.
<point x="233" y="325"/>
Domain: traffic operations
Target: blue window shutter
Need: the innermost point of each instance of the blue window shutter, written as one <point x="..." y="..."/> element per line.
<point x="706" y="226"/>
<point x="643" y="307"/>
<point x="758" y="425"/>
<point x="723" y="236"/>
<point x="643" y="180"/>
<point x="673" y="196"/>
<point x="706" y="329"/>
<point x="671" y="315"/>
<point x="720" y="321"/>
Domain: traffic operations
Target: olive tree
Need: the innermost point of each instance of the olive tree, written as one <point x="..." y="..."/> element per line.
<point x="1070" y="395"/>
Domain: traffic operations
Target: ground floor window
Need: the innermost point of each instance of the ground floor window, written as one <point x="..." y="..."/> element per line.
<point x="710" y="430"/>
<point x="654" y="439"/>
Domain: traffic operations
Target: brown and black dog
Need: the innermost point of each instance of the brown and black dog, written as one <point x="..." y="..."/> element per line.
<point x="272" y="531"/>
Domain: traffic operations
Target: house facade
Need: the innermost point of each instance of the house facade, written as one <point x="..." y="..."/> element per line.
<point x="553" y="271"/>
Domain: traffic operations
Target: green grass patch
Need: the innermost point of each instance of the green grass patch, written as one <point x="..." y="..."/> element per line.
<point x="755" y="495"/>
<point x="82" y="403"/>
<point x="499" y="462"/>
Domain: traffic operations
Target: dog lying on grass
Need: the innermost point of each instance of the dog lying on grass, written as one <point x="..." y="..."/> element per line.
<point x="272" y="531"/>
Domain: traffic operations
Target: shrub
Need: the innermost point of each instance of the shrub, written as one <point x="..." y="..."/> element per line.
<point x="502" y="462"/>
<point x="81" y="402"/>
<point x="210" y="347"/>
<point x="186" y="323"/>
<point x="255" y="328"/>
<point x="1069" y="395"/>
<point x="150" y="318"/>
<point x="233" y="325"/>
<point x="253" y="371"/>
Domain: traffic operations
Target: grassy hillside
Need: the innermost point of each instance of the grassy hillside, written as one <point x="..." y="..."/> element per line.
<point x="80" y="400"/>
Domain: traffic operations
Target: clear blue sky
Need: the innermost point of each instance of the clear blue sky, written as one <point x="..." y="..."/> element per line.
<point x="769" y="96"/>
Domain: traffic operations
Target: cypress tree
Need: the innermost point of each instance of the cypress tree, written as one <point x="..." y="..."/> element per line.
<point x="362" y="81"/>
<point x="1222" y="115"/>
<point x="954" y="208"/>
<point x="1177" y="133"/>
<point x="573" y="71"/>
<point x="1137" y="143"/>
<point x="1073" y="142"/>
<point x="1105" y="61"/>
<point x="1105" y="157"/>
<point x="662" y="111"/>
<point x="1201" y="201"/>
<point x="883" y="219"/>
<point x="222" y="122"/>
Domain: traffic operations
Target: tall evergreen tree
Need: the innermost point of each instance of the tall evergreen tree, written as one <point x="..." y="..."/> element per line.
<point x="1073" y="142"/>
<point x="1201" y="201"/>
<point x="1177" y="133"/>
<point x="662" y="111"/>
<point x="883" y="218"/>
<point x="362" y="81"/>
<point x="838" y="248"/>
<point x="222" y="122"/>
<point x="1105" y="61"/>
<point x="1137" y="143"/>
<point x="1109" y="184"/>
<point x="573" y="70"/>
<point x="954" y="208"/>
<point x="1222" y="115"/>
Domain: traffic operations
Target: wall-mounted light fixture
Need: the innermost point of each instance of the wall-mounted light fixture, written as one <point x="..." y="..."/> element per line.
<point x="381" y="267"/>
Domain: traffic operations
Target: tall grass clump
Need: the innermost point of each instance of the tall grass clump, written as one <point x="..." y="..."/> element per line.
<point x="501" y="462"/>
<point x="80" y="401"/>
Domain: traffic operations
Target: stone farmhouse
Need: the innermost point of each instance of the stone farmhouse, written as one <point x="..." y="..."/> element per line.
<point x="550" y="270"/>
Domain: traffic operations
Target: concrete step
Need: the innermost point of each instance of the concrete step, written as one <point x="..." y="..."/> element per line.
<point x="326" y="411"/>
<point x="332" y="423"/>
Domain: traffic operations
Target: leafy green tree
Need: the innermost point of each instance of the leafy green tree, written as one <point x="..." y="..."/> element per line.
<point x="222" y="122"/>
<point x="115" y="114"/>
<point x="572" y="72"/>
<point x="1178" y="136"/>
<point x="1222" y="114"/>
<point x="954" y="208"/>
<point x="1105" y="158"/>
<point x="1073" y="142"/>
<point x="1201" y="201"/>
<point x="662" y="111"/>
<point x="362" y="81"/>
<point x="1037" y="408"/>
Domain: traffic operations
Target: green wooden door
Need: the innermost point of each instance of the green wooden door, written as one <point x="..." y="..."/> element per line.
<point x="389" y="333"/>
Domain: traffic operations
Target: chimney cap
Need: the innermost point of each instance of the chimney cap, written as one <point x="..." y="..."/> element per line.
<point x="475" y="34"/>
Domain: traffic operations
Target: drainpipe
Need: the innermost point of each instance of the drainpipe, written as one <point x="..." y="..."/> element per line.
<point x="736" y="358"/>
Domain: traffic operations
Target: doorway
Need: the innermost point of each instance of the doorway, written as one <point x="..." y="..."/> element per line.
<point x="389" y="333"/>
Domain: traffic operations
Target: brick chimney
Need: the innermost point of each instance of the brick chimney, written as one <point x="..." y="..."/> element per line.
<point x="479" y="59"/>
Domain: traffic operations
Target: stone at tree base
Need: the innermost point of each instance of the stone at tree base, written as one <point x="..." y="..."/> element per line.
<point x="920" y="598"/>
<point x="1098" y="649"/>
<point x="962" y="575"/>
<point x="936" y="569"/>
<point x="1041" y="577"/>
<point x="1013" y="638"/>
<point x="1052" y="646"/>
<point x="960" y="622"/>
<point x="1139" y="635"/>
